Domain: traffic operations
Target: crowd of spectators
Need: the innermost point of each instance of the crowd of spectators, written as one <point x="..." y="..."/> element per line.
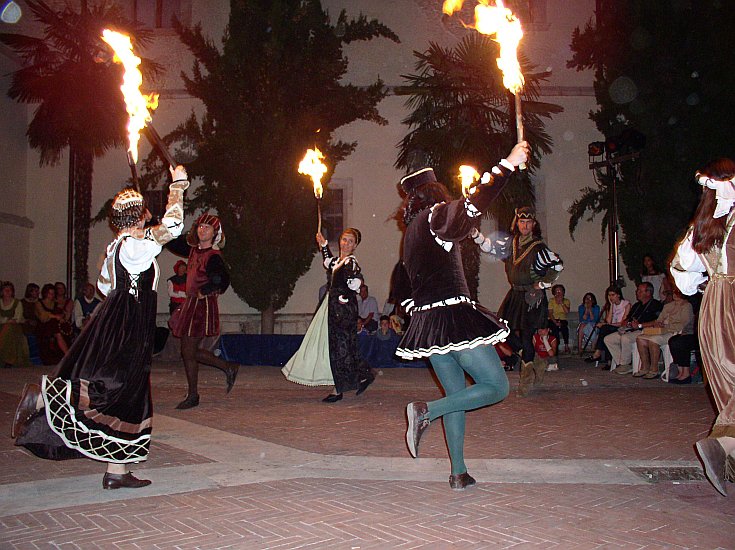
<point x="45" y="320"/>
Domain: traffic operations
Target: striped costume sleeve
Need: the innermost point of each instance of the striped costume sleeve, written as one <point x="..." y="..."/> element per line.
<point x="546" y="267"/>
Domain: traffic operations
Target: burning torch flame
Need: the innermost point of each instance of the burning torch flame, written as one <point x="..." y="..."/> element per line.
<point x="311" y="165"/>
<point x="506" y="27"/>
<point x="136" y="103"/>
<point x="468" y="175"/>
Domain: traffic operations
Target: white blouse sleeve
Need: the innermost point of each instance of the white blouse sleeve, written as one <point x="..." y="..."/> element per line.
<point x="687" y="267"/>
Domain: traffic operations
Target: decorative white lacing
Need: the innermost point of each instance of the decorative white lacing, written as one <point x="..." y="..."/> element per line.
<point x="61" y="418"/>
<point x="493" y="339"/>
<point x="446" y="245"/>
<point x="410" y="307"/>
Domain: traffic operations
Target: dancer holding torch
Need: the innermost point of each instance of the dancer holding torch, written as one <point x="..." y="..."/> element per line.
<point x="328" y="355"/>
<point x="447" y="326"/>
<point x="98" y="402"/>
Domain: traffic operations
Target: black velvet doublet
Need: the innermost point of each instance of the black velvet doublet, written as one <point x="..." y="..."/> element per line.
<point x="443" y="317"/>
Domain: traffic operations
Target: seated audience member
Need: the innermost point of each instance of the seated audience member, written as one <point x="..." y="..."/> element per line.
<point x="368" y="309"/>
<point x="589" y="316"/>
<point x="85" y="305"/>
<point x="361" y="327"/>
<point x="613" y="316"/>
<point x="681" y="346"/>
<point x="29" y="308"/>
<point x="64" y="303"/>
<point x="13" y="343"/>
<point x="545" y="344"/>
<point x="385" y="331"/>
<point x="176" y="285"/>
<point x="642" y="314"/>
<point x="650" y="273"/>
<point x="677" y="317"/>
<point x="54" y="333"/>
<point x="559" y="307"/>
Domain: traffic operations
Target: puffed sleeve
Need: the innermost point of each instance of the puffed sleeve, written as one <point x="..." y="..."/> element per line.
<point x="454" y="221"/>
<point x="687" y="267"/>
<point x="218" y="276"/>
<point x="354" y="274"/>
<point x="497" y="247"/>
<point x="546" y="267"/>
<point x="328" y="259"/>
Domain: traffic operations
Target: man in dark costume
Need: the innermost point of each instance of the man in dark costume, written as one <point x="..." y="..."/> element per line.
<point x="531" y="268"/>
<point x="454" y="332"/>
<point x="198" y="317"/>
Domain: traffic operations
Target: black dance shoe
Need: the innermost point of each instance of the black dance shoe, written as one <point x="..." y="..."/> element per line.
<point x="418" y="420"/>
<point x="123" y="481"/>
<point x="231" y="373"/>
<point x="590" y="359"/>
<point x="461" y="481"/>
<point x="332" y="398"/>
<point x="714" y="459"/>
<point x="364" y="384"/>
<point x="190" y="402"/>
<point x="687" y="380"/>
<point x="25" y="409"/>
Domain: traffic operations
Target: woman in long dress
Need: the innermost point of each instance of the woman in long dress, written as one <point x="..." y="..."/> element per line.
<point x="13" y="343"/>
<point x="455" y="333"/>
<point x="328" y="355"/>
<point x="97" y="403"/>
<point x="707" y="255"/>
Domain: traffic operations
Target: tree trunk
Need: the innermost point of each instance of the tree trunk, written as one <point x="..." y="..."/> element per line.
<point x="84" y="167"/>
<point x="267" y="320"/>
<point x="70" y="217"/>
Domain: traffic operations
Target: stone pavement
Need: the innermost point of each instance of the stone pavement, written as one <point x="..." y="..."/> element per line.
<point x="608" y="464"/>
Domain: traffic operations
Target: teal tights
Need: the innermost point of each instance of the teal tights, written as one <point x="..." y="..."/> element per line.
<point x="491" y="386"/>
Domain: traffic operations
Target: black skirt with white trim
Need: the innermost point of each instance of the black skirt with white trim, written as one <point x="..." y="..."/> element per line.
<point x="446" y="328"/>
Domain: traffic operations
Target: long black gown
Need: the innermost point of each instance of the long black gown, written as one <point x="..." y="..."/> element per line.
<point x="348" y="367"/>
<point x="98" y="402"/>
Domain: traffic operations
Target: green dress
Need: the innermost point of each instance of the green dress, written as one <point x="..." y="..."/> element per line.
<point x="13" y="343"/>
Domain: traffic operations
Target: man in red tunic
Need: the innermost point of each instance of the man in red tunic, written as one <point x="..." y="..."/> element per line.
<point x="198" y="317"/>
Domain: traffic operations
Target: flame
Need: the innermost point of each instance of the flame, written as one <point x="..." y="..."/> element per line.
<point x="311" y="165"/>
<point x="137" y="104"/>
<point x="506" y="27"/>
<point x="450" y="6"/>
<point x="468" y="175"/>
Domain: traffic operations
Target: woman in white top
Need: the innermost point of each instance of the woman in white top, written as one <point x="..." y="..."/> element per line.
<point x="613" y="316"/>
<point x="97" y="403"/>
<point x="652" y="274"/>
<point x="707" y="255"/>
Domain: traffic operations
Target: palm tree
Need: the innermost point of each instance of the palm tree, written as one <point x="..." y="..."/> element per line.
<point x="79" y="102"/>
<point x="462" y="114"/>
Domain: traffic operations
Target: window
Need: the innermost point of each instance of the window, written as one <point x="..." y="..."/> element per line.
<point x="156" y="14"/>
<point x="336" y="206"/>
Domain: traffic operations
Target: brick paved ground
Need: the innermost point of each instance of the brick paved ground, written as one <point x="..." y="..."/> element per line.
<point x="270" y="466"/>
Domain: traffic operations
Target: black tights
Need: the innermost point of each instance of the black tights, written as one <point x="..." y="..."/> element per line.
<point x="192" y="356"/>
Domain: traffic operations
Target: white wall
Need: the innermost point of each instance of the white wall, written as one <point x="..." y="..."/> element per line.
<point x="370" y="167"/>
<point x="14" y="222"/>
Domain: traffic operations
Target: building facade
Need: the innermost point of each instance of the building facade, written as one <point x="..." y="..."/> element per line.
<point x="33" y="215"/>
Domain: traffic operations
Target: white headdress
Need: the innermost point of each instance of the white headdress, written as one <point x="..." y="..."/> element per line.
<point x="127" y="198"/>
<point x="724" y="191"/>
